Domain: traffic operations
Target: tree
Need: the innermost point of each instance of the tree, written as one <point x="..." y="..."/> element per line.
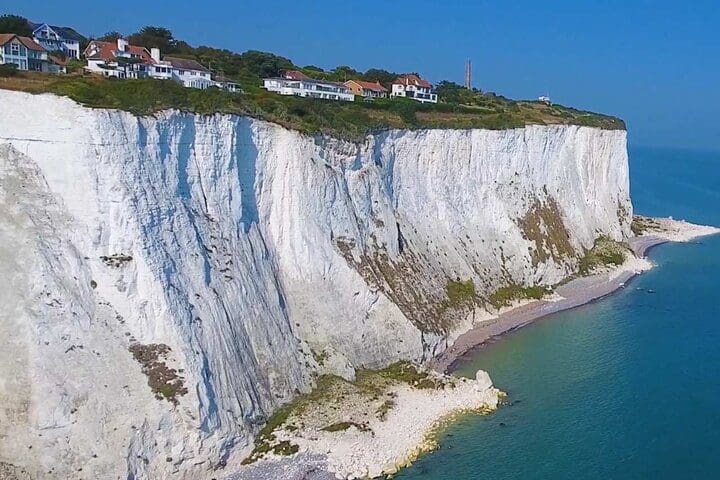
<point x="154" y="37"/>
<point x="379" y="75"/>
<point x="110" y="36"/>
<point x="343" y="73"/>
<point x="262" y="64"/>
<point x="313" y="68"/>
<point x="15" y="24"/>
<point x="451" y="92"/>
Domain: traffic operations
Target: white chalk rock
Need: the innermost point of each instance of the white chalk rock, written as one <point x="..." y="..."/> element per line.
<point x="252" y="246"/>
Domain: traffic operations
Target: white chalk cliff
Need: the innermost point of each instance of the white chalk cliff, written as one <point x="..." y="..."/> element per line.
<point x="252" y="251"/>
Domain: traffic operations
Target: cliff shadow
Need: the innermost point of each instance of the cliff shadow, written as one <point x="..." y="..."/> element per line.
<point x="246" y="159"/>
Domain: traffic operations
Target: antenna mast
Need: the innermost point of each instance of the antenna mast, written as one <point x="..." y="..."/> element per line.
<point x="468" y="74"/>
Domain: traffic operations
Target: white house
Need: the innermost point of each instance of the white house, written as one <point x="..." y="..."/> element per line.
<point x="297" y="83"/>
<point x="189" y="73"/>
<point x="117" y="59"/>
<point x="23" y="52"/>
<point x="225" y="83"/>
<point x="53" y="38"/>
<point x="412" y="86"/>
<point x="122" y="60"/>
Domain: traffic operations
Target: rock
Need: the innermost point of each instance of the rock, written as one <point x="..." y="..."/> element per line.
<point x="329" y="244"/>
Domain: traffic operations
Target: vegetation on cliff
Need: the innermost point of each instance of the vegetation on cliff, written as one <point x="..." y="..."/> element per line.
<point x="605" y="252"/>
<point x="348" y="120"/>
<point x="459" y="107"/>
<point x="370" y="395"/>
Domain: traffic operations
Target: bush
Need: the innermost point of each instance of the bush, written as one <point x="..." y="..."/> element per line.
<point x="504" y="296"/>
<point x="459" y="292"/>
<point x="8" y="70"/>
<point x="605" y="252"/>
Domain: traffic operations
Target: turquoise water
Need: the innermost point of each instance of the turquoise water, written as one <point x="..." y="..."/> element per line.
<point x="627" y="387"/>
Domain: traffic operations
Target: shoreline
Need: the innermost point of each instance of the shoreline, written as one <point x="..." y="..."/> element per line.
<point x="576" y="293"/>
<point x="368" y="433"/>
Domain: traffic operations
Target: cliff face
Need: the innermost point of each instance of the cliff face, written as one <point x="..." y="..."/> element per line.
<point x="176" y="278"/>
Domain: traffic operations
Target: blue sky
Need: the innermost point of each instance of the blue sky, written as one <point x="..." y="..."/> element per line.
<point x="653" y="63"/>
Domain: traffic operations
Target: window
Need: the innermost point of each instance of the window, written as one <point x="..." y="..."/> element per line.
<point x="14" y="49"/>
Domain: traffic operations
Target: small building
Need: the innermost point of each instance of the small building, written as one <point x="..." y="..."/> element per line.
<point x="23" y="52"/>
<point x="544" y="99"/>
<point x="190" y="73"/>
<point x="57" y="64"/>
<point x="57" y="39"/>
<point x="117" y="59"/>
<point x="412" y="86"/>
<point x="293" y="82"/>
<point x="227" y="84"/>
<point x="368" y="90"/>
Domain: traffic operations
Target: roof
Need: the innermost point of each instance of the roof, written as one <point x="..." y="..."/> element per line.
<point x="58" y="60"/>
<point x="185" y="64"/>
<point x="294" y="75"/>
<point x="412" y="79"/>
<point x="223" y="79"/>
<point x="108" y="50"/>
<point x="65" y="32"/>
<point x="372" y="86"/>
<point x="27" y="41"/>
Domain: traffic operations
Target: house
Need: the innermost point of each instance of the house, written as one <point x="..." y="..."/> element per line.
<point x="57" y="39"/>
<point x="117" y="59"/>
<point x="190" y="73"/>
<point x="57" y="64"/>
<point x="368" y="90"/>
<point x="293" y="82"/>
<point x="544" y="99"/>
<point x="24" y="52"/>
<point x="412" y="86"/>
<point x="225" y="83"/>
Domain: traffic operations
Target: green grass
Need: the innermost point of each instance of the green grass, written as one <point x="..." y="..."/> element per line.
<point x="347" y="120"/>
<point x="342" y="426"/>
<point x="641" y="225"/>
<point x="605" y="252"/>
<point x="504" y="296"/>
<point x="331" y="391"/>
<point x="459" y="294"/>
<point x="458" y="291"/>
<point x="408" y="373"/>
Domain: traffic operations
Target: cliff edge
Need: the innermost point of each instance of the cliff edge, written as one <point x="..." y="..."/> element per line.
<point x="177" y="277"/>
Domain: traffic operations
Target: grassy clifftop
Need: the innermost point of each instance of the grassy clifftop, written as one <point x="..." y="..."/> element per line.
<point x="348" y="120"/>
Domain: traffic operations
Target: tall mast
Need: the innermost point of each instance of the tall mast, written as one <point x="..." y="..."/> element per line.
<point x="468" y="74"/>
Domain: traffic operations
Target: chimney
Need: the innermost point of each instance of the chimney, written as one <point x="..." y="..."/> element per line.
<point x="155" y="54"/>
<point x="122" y="44"/>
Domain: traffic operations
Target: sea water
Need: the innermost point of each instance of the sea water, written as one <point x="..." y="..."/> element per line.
<point x="626" y="387"/>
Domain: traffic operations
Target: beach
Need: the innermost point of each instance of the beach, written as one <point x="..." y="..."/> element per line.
<point x="373" y="446"/>
<point x="576" y="292"/>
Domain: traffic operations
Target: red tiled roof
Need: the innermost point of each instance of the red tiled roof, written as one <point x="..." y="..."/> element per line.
<point x="28" y="42"/>
<point x="57" y="60"/>
<point x="294" y="75"/>
<point x="372" y="86"/>
<point x="412" y="80"/>
<point x="108" y="50"/>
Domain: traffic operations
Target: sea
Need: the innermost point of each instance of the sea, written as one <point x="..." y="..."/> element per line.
<point x="627" y="387"/>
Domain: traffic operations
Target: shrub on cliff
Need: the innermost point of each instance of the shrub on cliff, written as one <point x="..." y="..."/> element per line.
<point x="605" y="252"/>
<point x="8" y="70"/>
